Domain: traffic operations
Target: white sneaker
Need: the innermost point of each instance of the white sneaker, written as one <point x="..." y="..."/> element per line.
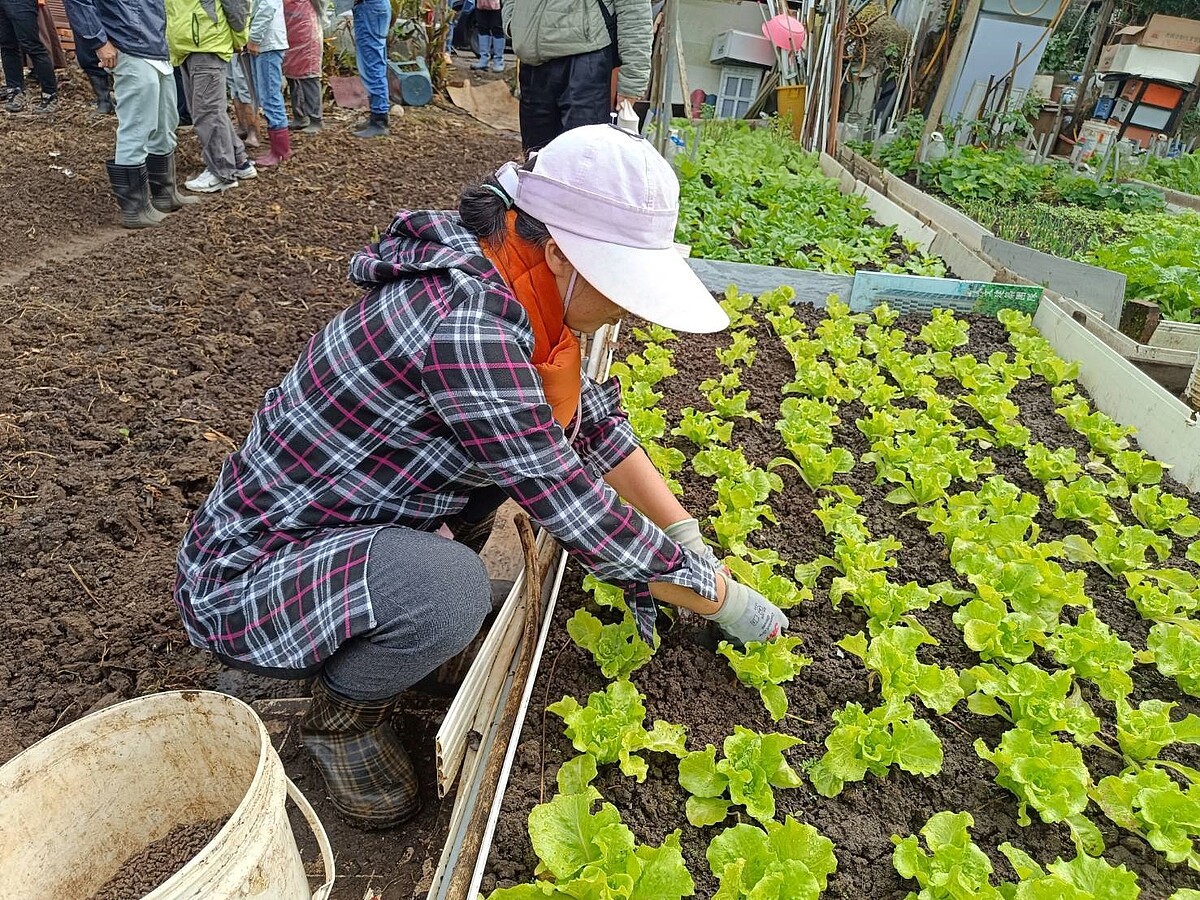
<point x="208" y="183"/>
<point x="246" y="172"/>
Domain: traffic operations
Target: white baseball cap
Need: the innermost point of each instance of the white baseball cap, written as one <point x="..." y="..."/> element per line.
<point x="611" y="203"/>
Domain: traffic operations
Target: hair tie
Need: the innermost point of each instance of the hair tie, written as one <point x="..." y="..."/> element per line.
<point x="501" y="193"/>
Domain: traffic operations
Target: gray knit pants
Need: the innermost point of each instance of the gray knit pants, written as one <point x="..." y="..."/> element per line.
<point x="430" y="596"/>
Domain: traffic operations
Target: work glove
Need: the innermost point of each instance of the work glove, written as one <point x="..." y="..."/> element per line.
<point x="687" y="533"/>
<point x="746" y="615"/>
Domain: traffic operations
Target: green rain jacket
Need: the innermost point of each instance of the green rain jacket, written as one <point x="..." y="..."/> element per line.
<point x="543" y="30"/>
<point x="206" y="26"/>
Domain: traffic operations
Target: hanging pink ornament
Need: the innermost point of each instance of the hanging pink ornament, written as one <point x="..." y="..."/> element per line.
<point x="785" y="32"/>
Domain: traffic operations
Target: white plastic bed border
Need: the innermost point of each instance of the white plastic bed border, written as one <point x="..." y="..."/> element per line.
<point x="470" y="731"/>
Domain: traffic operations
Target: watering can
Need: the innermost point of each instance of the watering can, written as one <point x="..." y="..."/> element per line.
<point x="409" y="82"/>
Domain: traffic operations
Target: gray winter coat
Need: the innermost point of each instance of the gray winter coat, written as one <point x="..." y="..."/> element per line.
<point x="543" y="30"/>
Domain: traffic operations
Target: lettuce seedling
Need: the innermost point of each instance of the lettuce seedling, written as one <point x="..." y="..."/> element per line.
<point x="616" y="648"/>
<point x="1174" y="647"/>
<point x="944" y="331"/>
<point x="892" y="655"/>
<point x="594" y="855"/>
<point x="1030" y="697"/>
<point x="654" y="334"/>
<point x="953" y="868"/>
<point x="1117" y="549"/>
<point x="1082" y="878"/>
<point x="740" y="351"/>
<point x="1164" y="594"/>
<point x="1048" y="465"/>
<point x="1044" y="773"/>
<point x="806" y="421"/>
<point x="1105" y="435"/>
<point x="752" y="765"/>
<point x="1160" y="511"/>
<point x="763" y="577"/>
<point x="732" y="406"/>
<point x="1149" y="802"/>
<point x="737" y="306"/>
<point x="873" y="742"/>
<point x="885" y="602"/>
<point x="994" y="632"/>
<point x="604" y="594"/>
<point x="668" y="461"/>
<point x="1095" y="652"/>
<point x="1016" y="322"/>
<point x="1083" y="500"/>
<point x="1144" y="731"/>
<point x="765" y="665"/>
<point x="818" y="381"/>
<point x="816" y="465"/>
<point x="1137" y="468"/>
<point x="789" y="861"/>
<point x="703" y="429"/>
<point x="611" y="728"/>
<point x="838" y="337"/>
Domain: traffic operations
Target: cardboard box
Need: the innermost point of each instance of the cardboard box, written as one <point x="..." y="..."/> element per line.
<point x="1163" y="33"/>
<point x="1173" y="33"/>
<point x="1149" y="62"/>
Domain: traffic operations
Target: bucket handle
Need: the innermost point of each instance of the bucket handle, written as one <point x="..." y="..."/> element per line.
<point x="318" y="830"/>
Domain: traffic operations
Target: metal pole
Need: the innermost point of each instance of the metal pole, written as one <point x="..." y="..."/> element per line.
<point x="670" y="24"/>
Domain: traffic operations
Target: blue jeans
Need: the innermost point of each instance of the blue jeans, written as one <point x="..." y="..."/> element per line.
<point x="372" y="19"/>
<point x="468" y="6"/>
<point x="268" y="82"/>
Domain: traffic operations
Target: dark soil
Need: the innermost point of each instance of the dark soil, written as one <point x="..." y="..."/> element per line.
<point x="133" y="369"/>
<point x="686" y="682"/>
<point x="146" y="870"/>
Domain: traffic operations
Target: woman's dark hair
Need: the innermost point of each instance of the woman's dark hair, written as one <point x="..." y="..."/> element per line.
<point x="485" y="214"/>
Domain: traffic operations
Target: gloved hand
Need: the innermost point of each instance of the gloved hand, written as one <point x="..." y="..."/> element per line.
<point x="687" y="533"/>
<point x="746" y="615"/>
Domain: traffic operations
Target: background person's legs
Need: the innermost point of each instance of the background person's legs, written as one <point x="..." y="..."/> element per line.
<point x="541" y="88"/>
<point x="587" y="99"/>
<point x="204" y="81"/>
<point x="19" y="36"/>
<point x="371" y="21"/>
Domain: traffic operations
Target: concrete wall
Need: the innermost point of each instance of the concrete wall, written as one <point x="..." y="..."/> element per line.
<point x="699" y="22"/>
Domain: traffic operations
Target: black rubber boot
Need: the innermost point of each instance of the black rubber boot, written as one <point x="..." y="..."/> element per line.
<point x="377" y="127"/>
<point x="131" y="187"/>
<point x="102" y="85"/>
<point x="369" y="776"/>
<point x="315" y="125"/>
<point x="164" y="191"/>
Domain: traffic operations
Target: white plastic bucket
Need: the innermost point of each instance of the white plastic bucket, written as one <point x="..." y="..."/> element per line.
<point x="79" y="803"/>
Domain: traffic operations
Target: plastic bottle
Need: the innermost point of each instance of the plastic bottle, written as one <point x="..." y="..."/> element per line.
<point x="626" y="117"/>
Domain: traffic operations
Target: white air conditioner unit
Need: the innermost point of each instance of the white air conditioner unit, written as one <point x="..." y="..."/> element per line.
<point x="741" y="47"/>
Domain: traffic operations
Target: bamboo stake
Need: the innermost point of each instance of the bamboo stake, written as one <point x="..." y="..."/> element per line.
<point x="949" y="79"/>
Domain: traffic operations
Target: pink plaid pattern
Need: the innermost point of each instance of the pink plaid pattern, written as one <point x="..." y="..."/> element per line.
<point x="398" y="409"/>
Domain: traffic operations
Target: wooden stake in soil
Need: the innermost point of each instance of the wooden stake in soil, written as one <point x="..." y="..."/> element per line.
<point x="962" y="40"/>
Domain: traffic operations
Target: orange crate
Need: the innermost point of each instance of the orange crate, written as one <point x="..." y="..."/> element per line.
<point x="1142" y="135"/>
<point x="1130" y="91"/>
<point x="1162" y="95"/>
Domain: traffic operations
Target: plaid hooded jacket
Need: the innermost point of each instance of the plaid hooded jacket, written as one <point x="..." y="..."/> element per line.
<point x="395" y="412"/>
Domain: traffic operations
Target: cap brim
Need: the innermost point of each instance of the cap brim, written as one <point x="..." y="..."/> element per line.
<point x="657" y="285"/>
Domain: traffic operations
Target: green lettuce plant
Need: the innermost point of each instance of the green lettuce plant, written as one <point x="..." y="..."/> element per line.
<point x="1117" y="549"/>
<point x="765" y="665"/>
<point x="1094" y="651"/>
<point x="1048" y="465"/>
<point x="788" y="861"/>
<point x="611" y="728"/>
<point x="1161" y="512"/>
<point x="952" y="868"/>
<point x="1032" y="698"/>
<point x="586" y="854"/>
<point x="1046" y="774"/>
<point x="1082" y="878"/>
<point x="862" y="742"/>
<point x="1149" y="802"/>
<point x="1164" y="594"/>
<point x="892" y="655"/>
<point x="616" y="648"/>
<point x="1145" y="730"/>
<point x="753" y="764"/>
<point x="1174" y="647"/>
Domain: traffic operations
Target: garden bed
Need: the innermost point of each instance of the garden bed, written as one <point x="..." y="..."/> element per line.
<point x="686" y="683"/>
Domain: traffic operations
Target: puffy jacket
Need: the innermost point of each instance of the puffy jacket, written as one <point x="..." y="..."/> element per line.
<point x="268" y="28"/>
<point x="205" y="26"/>
<point x="136" y="27"/>
<point x="543" y="30"/>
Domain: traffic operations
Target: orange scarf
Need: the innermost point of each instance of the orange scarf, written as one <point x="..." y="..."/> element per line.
<point x="556" y="354"/>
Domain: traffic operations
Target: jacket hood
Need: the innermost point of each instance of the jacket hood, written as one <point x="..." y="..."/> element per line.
<point x="419" y="243"/>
